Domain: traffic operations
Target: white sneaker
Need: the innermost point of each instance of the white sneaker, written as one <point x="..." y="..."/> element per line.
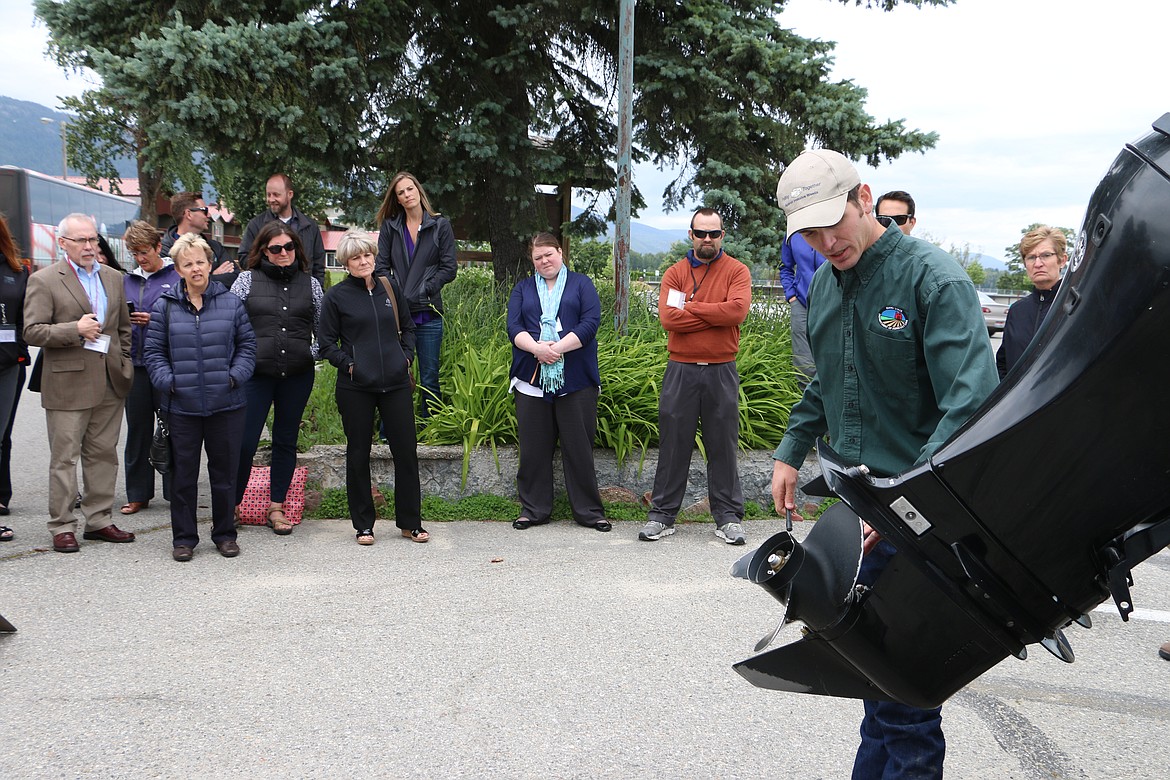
<point x="654" y="530"/>
<point x="732" y="533"/>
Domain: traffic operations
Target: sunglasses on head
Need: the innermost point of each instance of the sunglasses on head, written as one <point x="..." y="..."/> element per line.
<point x="898" y="219"/>
<point x="276" y="249"/>
<point x="701" y="234"/>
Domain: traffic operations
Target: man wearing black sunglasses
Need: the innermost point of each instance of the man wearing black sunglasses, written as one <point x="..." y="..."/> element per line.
<point x="192" y="215"/>
<point x="898" y="207"/>
<point x="702" y="301"/>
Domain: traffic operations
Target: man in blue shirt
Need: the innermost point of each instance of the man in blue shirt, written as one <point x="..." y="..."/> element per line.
<point x="798" y="263"/>
<point x="75" y="310"/>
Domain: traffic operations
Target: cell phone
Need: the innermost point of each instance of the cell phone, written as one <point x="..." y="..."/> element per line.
<point x="130" y="306"/>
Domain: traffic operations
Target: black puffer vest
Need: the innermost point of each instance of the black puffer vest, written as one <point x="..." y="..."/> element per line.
<point x="282" y="317"/>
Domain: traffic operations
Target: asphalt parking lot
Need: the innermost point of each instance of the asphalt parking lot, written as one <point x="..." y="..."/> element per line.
<point x="556" y="652"/>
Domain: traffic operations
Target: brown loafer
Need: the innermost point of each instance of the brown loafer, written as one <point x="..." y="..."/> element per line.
<point x="228" y="549"/>
<point x="134" y="507"/>
<point x="111" y="533"/>
<point x="182" y="554"/>
<point x="65" y="542"/>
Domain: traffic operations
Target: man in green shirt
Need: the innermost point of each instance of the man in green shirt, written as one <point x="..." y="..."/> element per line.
<point x="902" y="360"/>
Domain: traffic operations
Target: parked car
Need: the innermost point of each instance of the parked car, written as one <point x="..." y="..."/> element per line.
<point x="994" y="313"/>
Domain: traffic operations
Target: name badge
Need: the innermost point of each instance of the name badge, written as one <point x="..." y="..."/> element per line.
<point x="676" y="298"/>
<point x="100" y="344"/>
<point x="7" y="334"/>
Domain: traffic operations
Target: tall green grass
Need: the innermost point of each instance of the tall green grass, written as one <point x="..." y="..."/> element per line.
<point x="478" y="410"/>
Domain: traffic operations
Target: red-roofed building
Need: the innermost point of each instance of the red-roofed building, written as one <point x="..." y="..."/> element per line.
<point x="223" y="222"/>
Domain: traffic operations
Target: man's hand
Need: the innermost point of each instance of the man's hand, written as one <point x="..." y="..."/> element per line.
<point x="784" y="488"/>
<point x="88" y="327"/>
<point x="140" y="318"/>
<point x="869" y="538"/>
<point x="226" y="267"/>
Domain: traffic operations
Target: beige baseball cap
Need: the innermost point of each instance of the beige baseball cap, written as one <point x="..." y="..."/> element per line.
<point x="814" y="188"/>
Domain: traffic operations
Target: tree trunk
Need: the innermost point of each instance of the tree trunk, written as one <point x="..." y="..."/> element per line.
<point x="512" y="203"/>
<point x="150" y="187"/>
<point x="150" y="181"/>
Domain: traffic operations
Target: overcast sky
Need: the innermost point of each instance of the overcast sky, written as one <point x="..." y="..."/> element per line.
<point x="1032" y="100"/>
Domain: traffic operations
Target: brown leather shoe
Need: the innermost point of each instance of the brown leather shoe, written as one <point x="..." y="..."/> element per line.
<point x="1164" y="651"/>
<point x="65" y="542"/>
<point x="134" y="507"/>
<point x="111" y="533"/>
<point x="182" y="554"/>
<point x="228" y="549"/>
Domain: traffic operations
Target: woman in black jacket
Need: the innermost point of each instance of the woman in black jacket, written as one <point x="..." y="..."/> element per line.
<point x="284" y="305"/>
<point x="416" y="247"/>
<point x="369" y="336"/>
<point x="13" y="355"/>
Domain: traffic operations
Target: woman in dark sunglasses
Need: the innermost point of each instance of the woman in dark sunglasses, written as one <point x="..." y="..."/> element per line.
<point x="284" y="303"/>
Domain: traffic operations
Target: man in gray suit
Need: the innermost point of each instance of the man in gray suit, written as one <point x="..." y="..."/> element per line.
<point x="75" y="310"/>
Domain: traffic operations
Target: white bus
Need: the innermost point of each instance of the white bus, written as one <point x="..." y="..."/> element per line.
<point x="34" y="204"/>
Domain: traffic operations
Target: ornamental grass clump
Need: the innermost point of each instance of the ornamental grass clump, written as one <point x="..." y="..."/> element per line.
<point x="479" y="411"/>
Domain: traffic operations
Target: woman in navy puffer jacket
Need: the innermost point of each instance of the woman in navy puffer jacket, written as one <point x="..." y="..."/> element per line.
<point x="200" y="351"/>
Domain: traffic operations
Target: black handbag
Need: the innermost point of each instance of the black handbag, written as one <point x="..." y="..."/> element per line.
<point x="34" y="377"/>
<point x="160" y="445"/>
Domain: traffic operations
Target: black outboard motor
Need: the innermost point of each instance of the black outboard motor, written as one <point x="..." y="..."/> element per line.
<point x="1031" y="515"/>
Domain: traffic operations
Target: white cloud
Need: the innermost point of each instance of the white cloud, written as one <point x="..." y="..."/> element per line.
<point x="1032" y="100"/>
<point x="29" y="73"/>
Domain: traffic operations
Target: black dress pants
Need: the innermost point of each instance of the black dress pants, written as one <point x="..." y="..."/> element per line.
<point x="396" y="409"/>
<point x="572" y="420"/>
<point x="220" y="435"/>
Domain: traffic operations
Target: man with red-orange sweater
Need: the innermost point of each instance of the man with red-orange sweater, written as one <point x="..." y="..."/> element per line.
<point x="703" y="300"/>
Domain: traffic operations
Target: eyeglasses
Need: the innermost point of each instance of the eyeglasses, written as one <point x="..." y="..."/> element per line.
<point x="898" y="219"/>
<point x="1041" y="258"/>
<point x="90" y="240"/>
<point x="701" y="234"/>
<point x="202" y="209"/>
<point x="276" y="249"/>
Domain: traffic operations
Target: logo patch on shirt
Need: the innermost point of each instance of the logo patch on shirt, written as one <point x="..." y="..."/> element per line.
<point x="892" y="318"/>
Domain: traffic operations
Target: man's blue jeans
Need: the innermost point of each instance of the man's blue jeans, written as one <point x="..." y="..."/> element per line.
<point x="897" y="741"/>
<point x="428" y="339"/>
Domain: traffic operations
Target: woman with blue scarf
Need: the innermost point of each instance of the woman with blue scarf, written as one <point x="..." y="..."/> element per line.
<point x="552" y="324"/>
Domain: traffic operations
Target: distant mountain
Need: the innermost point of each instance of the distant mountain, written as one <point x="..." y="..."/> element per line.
<point x="643" y="238"/>
<point x="27" y="142"/>
<point x="990" y="263"/>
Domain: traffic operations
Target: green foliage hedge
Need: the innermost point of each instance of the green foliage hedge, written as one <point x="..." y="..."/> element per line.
<point x="486" y="507"/>
<point x="477" y="355"/>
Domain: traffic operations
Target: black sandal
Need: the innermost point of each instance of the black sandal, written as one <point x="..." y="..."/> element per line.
<point x="6" y="534"/>
<point x="365" y="536"/>
<point x="603" y="525"/>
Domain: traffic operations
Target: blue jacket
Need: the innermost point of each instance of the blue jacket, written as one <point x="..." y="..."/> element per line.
<point x="580" y="312"/>
<point x="142" y="291"/>
<point x="200" y="360"/>
<point x="798" y="263"/>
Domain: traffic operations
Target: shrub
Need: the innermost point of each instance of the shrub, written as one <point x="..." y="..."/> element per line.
<point x="334" y="505"/>
<point x="478" y="409"/>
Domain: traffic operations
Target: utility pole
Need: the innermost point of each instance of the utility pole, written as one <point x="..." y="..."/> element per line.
<point x="64" y="148"/>
<point x="625" y="183"/>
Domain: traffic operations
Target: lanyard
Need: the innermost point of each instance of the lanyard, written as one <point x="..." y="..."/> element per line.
<point x="696" y="284"/>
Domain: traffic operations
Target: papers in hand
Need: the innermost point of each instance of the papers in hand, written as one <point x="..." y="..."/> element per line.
<point x="100" y="344"/>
